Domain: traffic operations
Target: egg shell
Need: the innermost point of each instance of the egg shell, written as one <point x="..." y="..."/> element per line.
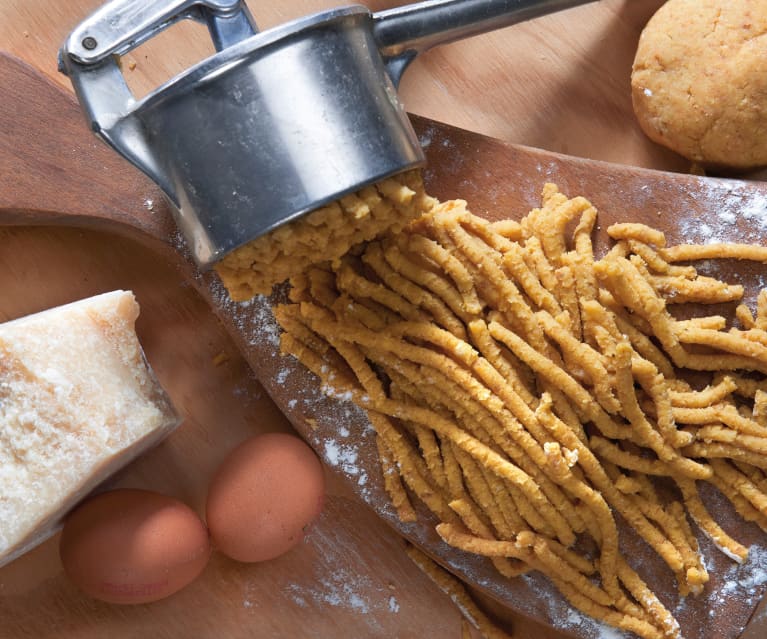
<point x="263" y="497"/>
<point x="133" y="546"/>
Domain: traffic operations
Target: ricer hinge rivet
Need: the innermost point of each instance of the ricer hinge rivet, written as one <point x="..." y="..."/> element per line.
<point x="89" y="43"/>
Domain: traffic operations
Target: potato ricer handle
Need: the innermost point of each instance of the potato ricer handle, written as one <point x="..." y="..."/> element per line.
<point x="89" y="58"/>
<point x="404" y="32"/>
<point x="118" y="27"/>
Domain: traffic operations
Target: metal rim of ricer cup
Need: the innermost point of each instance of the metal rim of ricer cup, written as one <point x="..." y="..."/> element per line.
<point x="275" y="124"/>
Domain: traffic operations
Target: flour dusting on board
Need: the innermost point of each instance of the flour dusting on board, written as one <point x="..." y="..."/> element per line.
<point x="426" y="137"/>
<point x="344" y="457"/>
<point x="339" y="589"/>
<point x="254" y="318"/>
<point x="341" y="451"/>
<point x="733" y="203"/>
<point x="742" y="582"/>
<point x="339" y="582"/>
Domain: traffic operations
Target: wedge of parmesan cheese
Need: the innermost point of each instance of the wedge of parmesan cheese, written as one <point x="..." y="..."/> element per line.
<point x="78" y="401"/>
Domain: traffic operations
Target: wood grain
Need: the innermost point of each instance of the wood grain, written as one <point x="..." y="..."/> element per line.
<point x="351" y="574"/>
<point x="499" y="180"/>
<point x="559" y="83"/>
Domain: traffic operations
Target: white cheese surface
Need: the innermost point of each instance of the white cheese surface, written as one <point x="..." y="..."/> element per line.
<point x="77" y="402"/>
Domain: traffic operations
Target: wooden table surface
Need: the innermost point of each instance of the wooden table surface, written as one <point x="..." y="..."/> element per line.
<point x="560" y="83"/>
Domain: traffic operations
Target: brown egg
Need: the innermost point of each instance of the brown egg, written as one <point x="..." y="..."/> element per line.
<point x="264" y="496"/>
<point x="133" y="546"/>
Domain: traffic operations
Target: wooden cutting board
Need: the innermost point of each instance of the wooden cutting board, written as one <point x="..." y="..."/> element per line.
<point x="52" y="172"/>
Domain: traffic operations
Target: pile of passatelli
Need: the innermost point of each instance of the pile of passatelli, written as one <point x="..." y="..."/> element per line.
<point x="525" y="391"/>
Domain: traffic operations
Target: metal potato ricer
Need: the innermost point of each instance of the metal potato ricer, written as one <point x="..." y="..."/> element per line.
<point x="275" y="124"/>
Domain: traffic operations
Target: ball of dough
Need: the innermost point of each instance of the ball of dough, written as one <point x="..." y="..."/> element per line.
<point x="699" y="81"/>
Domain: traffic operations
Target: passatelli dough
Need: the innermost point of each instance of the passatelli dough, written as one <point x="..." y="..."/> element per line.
<point x="699" y="81"/>
<point x="323" y="235"/>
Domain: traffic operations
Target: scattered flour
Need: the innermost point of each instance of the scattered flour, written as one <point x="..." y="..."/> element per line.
<point x="281" y="376"/>
<point x="342" y="456"/>
<point x="426" y="137"/>
<point x="742" y="582"/>
<point x="736" y="201"/>
<point x="589" y="628"/>
<point x="253" y="319"/>
<point x="340" y="588"/>
<point x="756" y="210"/>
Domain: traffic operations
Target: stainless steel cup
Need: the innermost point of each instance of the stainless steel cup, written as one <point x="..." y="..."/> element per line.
<point x="277" y="123"/>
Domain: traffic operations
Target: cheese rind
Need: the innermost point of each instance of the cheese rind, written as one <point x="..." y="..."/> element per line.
<point x="78" y="401"/>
